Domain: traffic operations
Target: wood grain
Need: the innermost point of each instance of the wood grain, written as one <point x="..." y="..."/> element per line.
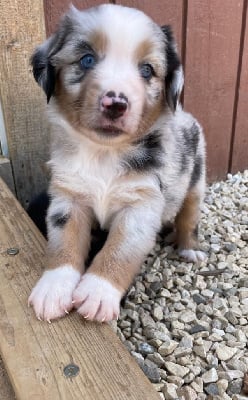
<point x="212" y="54"/>
<point x="21" y="29"/>
<point x="35" y="353"/>
<point x="240" y="145"/>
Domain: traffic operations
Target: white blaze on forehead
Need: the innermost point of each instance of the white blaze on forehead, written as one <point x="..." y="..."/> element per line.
<point x="131" y="38"/>
<point x="124" y="27"/>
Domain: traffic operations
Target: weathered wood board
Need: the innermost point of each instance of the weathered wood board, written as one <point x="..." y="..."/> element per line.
<point x="212" y="56"/>
<point x="35" y="353"/>
<point x="22" y="28"/>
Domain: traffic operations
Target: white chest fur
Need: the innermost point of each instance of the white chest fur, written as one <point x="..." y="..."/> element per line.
<point x="99" y="176"/>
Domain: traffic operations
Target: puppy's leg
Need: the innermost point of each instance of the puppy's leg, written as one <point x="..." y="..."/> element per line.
<point x="131" y="237"/>
<point x="186" y="227"/>
<point x="69" y="228"/>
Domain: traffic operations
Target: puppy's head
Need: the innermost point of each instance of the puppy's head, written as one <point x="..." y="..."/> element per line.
<point x="110" y="71"/>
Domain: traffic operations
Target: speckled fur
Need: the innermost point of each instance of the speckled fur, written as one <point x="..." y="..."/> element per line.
<point x="131" y="173"/>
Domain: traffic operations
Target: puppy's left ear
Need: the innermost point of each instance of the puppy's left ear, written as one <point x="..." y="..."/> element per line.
<point x="174" y="78"/>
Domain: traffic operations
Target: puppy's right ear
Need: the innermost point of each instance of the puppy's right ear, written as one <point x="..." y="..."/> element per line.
<point x="44" y="72"/>
<point x="44" y="69"/>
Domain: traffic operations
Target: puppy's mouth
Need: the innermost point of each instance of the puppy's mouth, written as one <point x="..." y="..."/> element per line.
<point x="109" y="130"/>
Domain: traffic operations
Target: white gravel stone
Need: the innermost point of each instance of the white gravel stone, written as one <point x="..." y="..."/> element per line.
<point x="170" y="391"/>
<point x="222" y="386"/>
<point x="187" y="393"/>
<point x="158" y="313"/>
<point x="186" y="342"/>
<point x="165" y="293"/>
<point x="176" y="369"/>
<point x="197" y="385"/>
<point x="210" y="376"/>
<point x="224" y="353"/>
<point x="230" y="375"/>
<point x="175" y="379"/>
<point x="187" y="317"/>
<point x="167" y="347"/>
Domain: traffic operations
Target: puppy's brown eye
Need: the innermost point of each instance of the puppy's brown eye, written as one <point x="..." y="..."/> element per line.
<point x="146" y="71"/>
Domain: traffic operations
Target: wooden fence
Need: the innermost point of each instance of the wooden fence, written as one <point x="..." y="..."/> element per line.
<point x="213" y="42"/>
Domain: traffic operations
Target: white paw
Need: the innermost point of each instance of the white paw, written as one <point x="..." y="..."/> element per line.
<point x="52" y="295"/>
<point x="97" y="299"/>
<point x="192" y="255"/>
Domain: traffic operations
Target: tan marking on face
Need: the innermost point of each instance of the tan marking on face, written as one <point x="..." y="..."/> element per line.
<point x="99" y="42"/>
<point x="187" y="220"/>
<point x="65" y="100"/>
<point x="149" y="117"/>
<point x="143" y="51"/>
<point x="80" y="111"/>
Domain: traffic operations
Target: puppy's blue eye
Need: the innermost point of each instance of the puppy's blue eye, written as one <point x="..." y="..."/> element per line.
<point x="146" y="71"/>
<point x="88" y="61"/>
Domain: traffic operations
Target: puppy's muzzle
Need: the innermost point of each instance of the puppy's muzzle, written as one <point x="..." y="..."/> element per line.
<point x="114" y="106"/>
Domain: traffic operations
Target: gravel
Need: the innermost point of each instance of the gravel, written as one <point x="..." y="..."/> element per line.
<point x="187" y="324"/>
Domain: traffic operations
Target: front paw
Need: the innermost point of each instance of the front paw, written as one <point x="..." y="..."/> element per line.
<point x="52" y="295"/>
<point x="191" y="255"/>
<point x="97" y="299"/>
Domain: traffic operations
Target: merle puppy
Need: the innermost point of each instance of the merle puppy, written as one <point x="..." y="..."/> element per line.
<point x="123" y="154"/>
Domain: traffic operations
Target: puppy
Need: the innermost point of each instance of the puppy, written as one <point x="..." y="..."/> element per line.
<point x="123" y="154"/>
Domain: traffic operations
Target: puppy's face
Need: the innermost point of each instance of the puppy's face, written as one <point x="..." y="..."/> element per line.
<point x="110" y="71"/>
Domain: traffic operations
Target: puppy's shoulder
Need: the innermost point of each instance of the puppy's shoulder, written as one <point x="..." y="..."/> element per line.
<point x="182" y="120"/>
<point x="188" y="131"/>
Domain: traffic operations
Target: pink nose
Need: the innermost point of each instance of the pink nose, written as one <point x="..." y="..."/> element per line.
<point x="113" y="106"/>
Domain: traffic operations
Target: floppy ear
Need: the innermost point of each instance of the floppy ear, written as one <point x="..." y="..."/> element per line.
<point x="174" y="78"/>
<point x="44" y="72"/>
<point x="44" y="69"/>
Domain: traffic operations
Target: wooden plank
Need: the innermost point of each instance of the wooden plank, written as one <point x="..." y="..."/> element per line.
<point x="54" y="9"/>
<point x="166" y="12"/>
<point x="212" y="54"/>
<point x="35" y="353"/>
<point x="240" y="146"/>
<point x="21" y="29"/>
<point x="6" y="173"/>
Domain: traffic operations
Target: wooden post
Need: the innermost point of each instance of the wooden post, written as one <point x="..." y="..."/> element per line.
<point x="22" y="28"/>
